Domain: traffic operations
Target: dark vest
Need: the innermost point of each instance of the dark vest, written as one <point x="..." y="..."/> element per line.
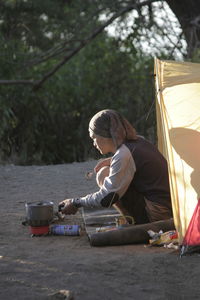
<point x="151" y="177"/>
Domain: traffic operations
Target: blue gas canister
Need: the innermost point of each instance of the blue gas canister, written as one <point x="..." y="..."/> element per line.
<point x="65" y="229"/>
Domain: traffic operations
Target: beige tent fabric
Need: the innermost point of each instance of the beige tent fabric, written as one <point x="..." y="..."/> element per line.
<point x="178" y="128"/>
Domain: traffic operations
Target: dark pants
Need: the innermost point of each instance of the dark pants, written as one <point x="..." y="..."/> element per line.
<point x="142" y="210"/>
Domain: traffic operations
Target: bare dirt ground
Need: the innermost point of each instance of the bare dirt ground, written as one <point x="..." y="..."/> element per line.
<point x="40" y="267"/>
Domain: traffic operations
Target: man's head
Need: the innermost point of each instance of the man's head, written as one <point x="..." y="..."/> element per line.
<point x="103" y="144"/>
<point x="109" y="124"/>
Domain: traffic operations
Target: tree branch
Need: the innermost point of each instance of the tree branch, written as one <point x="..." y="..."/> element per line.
<point x="12" y="82"/>
<point x="61" y="47"/>
<point x="37" y="84"/>
<point x="91" y="37"/>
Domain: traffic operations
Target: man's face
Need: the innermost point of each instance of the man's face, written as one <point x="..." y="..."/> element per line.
<point x="102" y="144"/>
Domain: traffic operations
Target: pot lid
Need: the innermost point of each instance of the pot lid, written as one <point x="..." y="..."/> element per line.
<point x="40" y="203"/>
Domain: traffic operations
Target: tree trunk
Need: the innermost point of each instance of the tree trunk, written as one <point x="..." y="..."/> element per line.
<point x="188" y="14"/>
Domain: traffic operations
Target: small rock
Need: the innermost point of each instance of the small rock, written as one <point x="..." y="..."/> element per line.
<point x="62" y="295"/>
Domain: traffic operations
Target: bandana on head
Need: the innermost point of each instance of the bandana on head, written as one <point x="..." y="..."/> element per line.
<point x="110" y="124"/>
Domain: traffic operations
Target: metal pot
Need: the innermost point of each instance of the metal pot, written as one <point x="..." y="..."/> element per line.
<point x="39" y="213"/>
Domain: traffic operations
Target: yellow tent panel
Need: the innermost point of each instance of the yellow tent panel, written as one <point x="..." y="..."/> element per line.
<point x="178" y="128"/>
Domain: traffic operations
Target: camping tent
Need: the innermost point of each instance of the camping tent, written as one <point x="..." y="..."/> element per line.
<point x="178" y="126"/>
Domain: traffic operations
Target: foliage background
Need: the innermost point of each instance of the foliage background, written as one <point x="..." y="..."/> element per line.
<point x="49" y="125"/>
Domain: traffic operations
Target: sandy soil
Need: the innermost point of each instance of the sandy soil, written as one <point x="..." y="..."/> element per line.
<point x="40" y="267"/>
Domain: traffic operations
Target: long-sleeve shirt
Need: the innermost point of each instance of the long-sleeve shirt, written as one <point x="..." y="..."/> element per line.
<point x="137" y="163"/>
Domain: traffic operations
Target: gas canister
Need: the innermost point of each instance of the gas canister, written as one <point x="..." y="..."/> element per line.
<point x="65" y="229"/>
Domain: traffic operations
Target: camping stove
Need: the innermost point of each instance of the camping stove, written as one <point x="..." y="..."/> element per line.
<point x="39" y="215"/>
<point x="39" y="231"/>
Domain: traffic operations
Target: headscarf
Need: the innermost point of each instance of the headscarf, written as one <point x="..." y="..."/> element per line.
<point x="110" y="124"/>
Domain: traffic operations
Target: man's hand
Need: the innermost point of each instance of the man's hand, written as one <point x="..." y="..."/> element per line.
<point x="67" y="208"/>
